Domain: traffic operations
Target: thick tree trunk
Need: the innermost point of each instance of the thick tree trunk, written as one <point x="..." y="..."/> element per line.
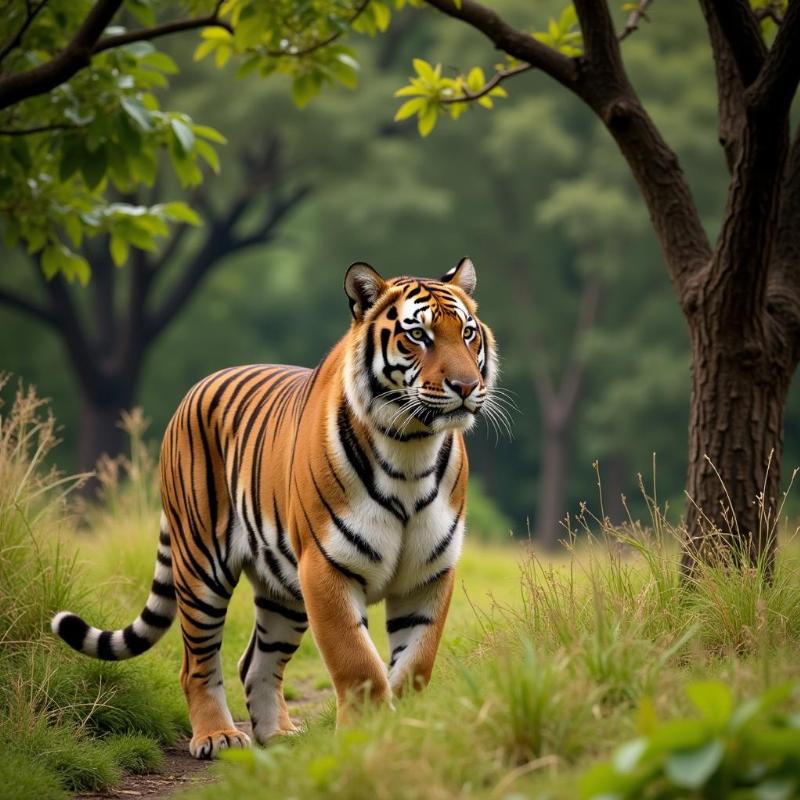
<point x="739" y="385"/>
<point x="553" y="486"/>
<point x="99" y="432"/>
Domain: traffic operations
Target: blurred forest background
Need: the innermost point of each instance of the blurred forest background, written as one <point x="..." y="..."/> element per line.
<point x="570" y="276"/>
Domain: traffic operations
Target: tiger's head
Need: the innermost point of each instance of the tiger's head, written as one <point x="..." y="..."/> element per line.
<point x="420" y="360"/>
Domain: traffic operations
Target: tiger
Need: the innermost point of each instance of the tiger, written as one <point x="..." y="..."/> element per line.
<point x="331" y="489"/>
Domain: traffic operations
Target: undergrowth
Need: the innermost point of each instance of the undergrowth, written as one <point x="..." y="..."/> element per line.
<point x="66" y="723"/>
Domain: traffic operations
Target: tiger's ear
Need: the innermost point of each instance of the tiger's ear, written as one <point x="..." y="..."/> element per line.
<point x="462" y="275"/>
<point x="363" y="287"/>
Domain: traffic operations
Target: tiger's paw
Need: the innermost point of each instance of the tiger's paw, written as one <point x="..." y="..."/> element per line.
<point x="209" y="745"/>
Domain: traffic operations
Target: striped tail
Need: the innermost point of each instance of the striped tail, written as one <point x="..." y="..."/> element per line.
<point x="143" y="632"/>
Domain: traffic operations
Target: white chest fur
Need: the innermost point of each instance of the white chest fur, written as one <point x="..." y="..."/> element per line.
<point x="402" y="510"/>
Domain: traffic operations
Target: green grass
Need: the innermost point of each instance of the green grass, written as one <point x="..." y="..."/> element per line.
<point x="547" y="664"/>
<point x="66" y="723"/>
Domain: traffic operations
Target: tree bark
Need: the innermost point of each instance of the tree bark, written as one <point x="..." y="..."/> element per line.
<point x="740" y="381"/>
<point x="100" y="432"/>
<point x="553" y="483"/>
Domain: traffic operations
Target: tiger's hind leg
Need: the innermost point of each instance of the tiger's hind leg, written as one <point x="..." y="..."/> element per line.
<point x="279" y="627"/>
<point x="202" y="606"/>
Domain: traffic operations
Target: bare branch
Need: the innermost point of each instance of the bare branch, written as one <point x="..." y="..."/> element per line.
<point x="634" y="19"/>
<point x="730" y="90"/>
<point x="495" y="80"/>
<point x="741" y="30"/>
<point x="26" y="306"/>
<point x="773" y="90"/>
<point x="323" y="42"/>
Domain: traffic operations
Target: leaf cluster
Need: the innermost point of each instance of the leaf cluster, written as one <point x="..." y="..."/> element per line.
<point x="748" y="751"/>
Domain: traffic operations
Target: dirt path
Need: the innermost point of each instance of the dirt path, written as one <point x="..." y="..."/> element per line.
<point x="180" y="771"/>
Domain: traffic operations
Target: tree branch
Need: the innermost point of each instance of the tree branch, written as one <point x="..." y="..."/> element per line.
<point x="634" y="19"/>
<point x="323" y="42"/>
<point x="26" y="306"/>
<point x="604" y="86"/>
<point x="741" y="30"/>
<point x="219" y="242"/>
<point x="775" y="87"/>
<point x="730" y="90"/>
<point x="505" y="37"/>
<point x="495" y="80"/>
<point x="146" y="34"/>
<point x="58" y="126"/>
<point x="31" y="12"/>
<point x="74" y="57"/>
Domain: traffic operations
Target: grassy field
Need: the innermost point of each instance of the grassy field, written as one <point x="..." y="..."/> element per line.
<point x="548" y="667"/>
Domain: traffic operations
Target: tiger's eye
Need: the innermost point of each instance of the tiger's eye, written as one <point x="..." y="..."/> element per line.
<point x="469" y="332"/>
<point x="417" y="333"/>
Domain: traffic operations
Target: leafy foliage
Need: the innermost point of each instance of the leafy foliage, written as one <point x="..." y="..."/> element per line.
<point x="752" y="750"/>
<point x="68" y="157"/>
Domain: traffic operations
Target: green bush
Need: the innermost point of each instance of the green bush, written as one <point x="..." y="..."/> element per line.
<point x="750" y="751"/>
<point x="67" y="723"/>
<point x="485" y="521"/>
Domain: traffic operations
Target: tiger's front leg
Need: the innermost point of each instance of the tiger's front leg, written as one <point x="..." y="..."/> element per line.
<point x="415" y="622"/>
<point x="336" y="608"/>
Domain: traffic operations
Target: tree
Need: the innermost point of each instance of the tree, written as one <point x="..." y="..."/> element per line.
<point x="108" y="342"/>
<point x="741" y="295"/>
<point x="79" y="115"/>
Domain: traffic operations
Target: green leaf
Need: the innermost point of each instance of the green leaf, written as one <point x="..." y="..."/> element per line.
<point x="304" y="87"/>
<point x="475" y="79"/>
<point x="627" y="757"/>
<point x="409" y="108"/>
<point x="162" y="62"/>
<point x="692" y="768"/>
<point x="183" y="135"/>
<point x="713" y="699"/>
<point x="207" y="153"/>
<point x="137" y="112"/>
<point x="427" y="120"/>
<point x="180" y="212"/>
<point x="409" y="90"/>
<point x="425" y="71"/>
<point x="94" y="166"/>
<point x="119" y="250"/>
<point x="207" y="132"/>
<point x="381" y="14"/>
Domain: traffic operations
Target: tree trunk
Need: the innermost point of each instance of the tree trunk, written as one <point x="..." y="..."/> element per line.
<point x="553" y="485"/>
<point x="739" y="385"/>
<point x="100" y="433"/>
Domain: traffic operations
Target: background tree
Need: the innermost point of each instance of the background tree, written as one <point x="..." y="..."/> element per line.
<point x="741" y="296"/>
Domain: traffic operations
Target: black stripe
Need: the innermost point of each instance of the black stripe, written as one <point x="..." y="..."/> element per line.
<point x="248" y="657"/>
<point x="335" y="564"/>
<point x="396" y="652"/>
<point x="104" y="650"/>
<point x="162" y="589"/>
<point x="354" y="538"/>
<point x="445" y="543"/>
<point x="72" y="629"/>
<point x="283" y="546"/>
<point x="442" y="461"/>
<point x="270" y="605"/>
<point x="163" y="538"/>
<point x="155" y="620"/>
<point x="408" y="621"/>
<point x="134" y="643"/>
<point x="277" y="647"/>
<point x="275" y="569"/>
<point x="362" y="466"/>
<point x="164" y="559"/>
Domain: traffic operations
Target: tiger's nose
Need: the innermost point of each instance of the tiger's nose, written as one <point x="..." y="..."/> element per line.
<point x="462" y="388"/>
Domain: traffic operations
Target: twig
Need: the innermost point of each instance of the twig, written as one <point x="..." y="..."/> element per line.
<point x="634" y="18"/>
<point x="30" y="15"/>
<point x="176" y="26"/>
<point x="56" y="126"/>
<point x="495" y="80"/>
<point x="323" y="42"/>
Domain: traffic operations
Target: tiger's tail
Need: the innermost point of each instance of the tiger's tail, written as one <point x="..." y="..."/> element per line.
<point x="143" y="632"/>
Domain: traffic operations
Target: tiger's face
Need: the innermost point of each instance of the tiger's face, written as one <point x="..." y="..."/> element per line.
<point x="422" y="360"/>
